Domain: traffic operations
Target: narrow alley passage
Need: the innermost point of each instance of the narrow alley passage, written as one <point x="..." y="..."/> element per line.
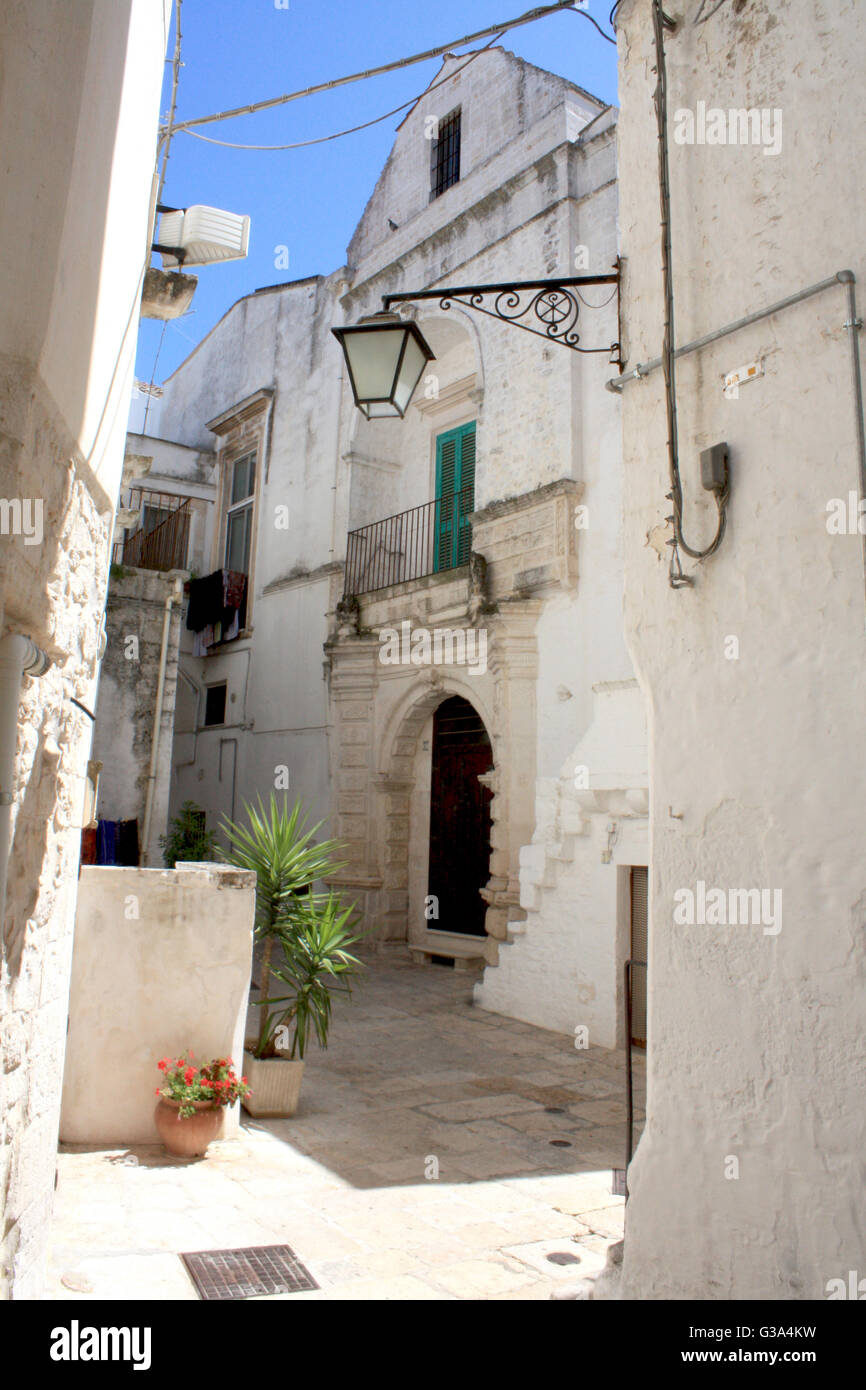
<point x="522" y="1129"/>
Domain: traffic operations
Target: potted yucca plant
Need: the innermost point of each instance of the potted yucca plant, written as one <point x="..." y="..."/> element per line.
<point x="276" y="844"/>
<point x="316" y="965"/>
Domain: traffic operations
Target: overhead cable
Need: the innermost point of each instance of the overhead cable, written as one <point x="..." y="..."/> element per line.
<point x="528" y="18"/>
<point x="338" y="135"/>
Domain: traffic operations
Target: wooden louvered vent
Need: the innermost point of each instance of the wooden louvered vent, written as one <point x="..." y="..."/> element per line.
<point x="455" y="496"/>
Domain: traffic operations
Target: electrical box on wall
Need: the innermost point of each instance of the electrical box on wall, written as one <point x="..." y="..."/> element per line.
<point x="714" y="468"/>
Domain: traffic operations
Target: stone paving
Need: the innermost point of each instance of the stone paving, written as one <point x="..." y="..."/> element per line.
<point x="523" y="1128"/>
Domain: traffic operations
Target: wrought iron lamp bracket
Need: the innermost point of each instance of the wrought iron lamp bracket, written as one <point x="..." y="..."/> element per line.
<point x="552" y="307"/>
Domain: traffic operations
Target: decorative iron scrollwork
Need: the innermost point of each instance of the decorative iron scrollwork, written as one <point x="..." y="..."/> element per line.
<point x="549" y="309"/>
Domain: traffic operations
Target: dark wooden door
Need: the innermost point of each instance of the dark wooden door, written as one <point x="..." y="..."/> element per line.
<point x="459" y="818"/>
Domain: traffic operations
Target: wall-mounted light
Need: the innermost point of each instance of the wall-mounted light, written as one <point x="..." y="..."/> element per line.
<point x="386" y="356"/>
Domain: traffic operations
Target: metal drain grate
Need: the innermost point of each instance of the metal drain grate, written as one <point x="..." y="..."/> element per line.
<point x="260" y="1269"/>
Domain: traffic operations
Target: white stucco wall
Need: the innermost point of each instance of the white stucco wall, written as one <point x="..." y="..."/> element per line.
<point x="161" y="966"/>
<point x="276" y="708"/>
<point x="563" y="966"/>
<point x="79" y="107"/>
<point x="757" y="772"/>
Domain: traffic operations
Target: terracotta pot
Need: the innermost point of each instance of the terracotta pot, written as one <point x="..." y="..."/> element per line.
<point x="187" y="1136"/>
<point x="276" y="1086"/>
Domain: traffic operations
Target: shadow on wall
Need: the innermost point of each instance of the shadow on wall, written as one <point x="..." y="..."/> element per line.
<point x="59" y="164"/>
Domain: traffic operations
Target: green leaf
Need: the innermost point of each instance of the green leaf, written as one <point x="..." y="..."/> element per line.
<point x="311" y="928"/>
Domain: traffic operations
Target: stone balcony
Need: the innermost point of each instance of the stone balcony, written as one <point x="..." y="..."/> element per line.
<point x="518" y="547"/>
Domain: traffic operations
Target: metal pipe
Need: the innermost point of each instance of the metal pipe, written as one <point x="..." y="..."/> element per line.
<point x="629" y="1084"/>
<point x="184" y="675"/>
<point x="853" y="325"/>
<point x="19" y="656"/>
<point x="171" y="599"/>
<point x="644" y="368"/>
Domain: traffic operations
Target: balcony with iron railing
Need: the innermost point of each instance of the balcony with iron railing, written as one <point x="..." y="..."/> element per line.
<point x="430" y="539"/>
<point x="161" y="540"/>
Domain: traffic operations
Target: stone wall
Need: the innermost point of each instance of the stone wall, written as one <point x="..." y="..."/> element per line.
<point x="126" y="709"/>
<point x="161" y="966"/>
<point x="78" y="114"/>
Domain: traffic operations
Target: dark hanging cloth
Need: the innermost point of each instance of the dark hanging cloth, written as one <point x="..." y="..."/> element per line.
<point x="235" y="588"/>
<point x="106" y="841"/>
<point x="88" y="845"/>
<point x="218" y="605"/>
<point x="234" y="615"/>
<point x="126" y="850"/>
<point x="206" y="601"/>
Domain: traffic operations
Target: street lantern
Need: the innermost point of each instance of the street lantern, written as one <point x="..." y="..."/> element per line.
<point x="386" y="356"/>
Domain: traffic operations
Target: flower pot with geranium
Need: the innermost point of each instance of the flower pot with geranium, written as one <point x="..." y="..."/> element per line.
<point x="192" y="1100"/>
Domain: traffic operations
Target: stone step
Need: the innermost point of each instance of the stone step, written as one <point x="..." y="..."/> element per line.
<point x="467" y="955"/>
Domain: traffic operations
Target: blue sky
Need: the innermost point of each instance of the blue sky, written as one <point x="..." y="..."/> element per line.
<point x="242" y="51"/>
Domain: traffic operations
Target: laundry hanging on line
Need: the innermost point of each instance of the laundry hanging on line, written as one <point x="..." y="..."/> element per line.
<point x="114" y="843"/>
<point x="217" y="609"/>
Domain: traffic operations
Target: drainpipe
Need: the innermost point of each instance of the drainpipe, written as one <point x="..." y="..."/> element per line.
<point x="853" y="325"/>
<point x="19" y="657"/>
<point x="170" y="601"/>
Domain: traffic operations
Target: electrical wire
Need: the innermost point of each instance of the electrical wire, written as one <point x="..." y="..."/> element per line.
<point x="338" y="135"/>
<point x="528" y="18"/>
<point x="604" y="302"/>
<point x="607" y="38"/>
<point x="701" y="18"/>
<point x="675" y="573"/>
<point x="153" y="375"/>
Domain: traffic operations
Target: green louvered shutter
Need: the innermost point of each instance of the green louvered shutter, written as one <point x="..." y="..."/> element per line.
<point x="446" y="474"/>
<point x="467" y="496"/>
<point x="455" y="471"/>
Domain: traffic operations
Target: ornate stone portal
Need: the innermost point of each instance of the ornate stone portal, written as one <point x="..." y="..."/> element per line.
<point x="382" y="705"/>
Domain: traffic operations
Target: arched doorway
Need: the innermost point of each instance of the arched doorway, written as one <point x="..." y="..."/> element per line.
<point x="460" y="819"/>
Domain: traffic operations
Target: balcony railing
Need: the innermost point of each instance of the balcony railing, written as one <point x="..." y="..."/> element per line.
<point x="160" y="547"/>
<point x="424" y="540"/>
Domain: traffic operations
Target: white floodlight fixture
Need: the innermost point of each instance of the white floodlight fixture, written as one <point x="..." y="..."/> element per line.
<point x="202" y="236"/>
<point x="386" y="356"/>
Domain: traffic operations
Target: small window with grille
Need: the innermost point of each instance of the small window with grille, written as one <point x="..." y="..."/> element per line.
<point x="445" y="155"/>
